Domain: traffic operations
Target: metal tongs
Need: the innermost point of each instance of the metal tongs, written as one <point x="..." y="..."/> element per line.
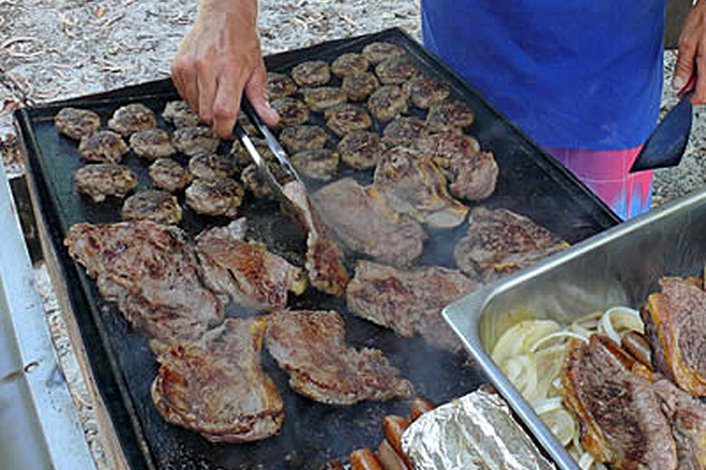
<point x="277" y="150"/>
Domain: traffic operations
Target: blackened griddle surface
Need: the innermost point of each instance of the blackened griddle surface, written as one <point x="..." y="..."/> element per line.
<point x="530" y="182"/>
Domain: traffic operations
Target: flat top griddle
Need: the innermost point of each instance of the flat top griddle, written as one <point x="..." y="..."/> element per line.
<point x="530" y="182"/>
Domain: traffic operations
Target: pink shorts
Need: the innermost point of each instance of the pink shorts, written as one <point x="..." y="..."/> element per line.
<point x="606" y="173"/>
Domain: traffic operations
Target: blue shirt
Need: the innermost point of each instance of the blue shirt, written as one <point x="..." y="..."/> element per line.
<point x="571" y="73"/>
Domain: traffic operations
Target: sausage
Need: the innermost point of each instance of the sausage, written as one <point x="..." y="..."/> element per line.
<point x="394" y="426"/>
<point x="364" y="459"/>
<point x="637" y="345"/>
<point x="389" y="458"/>
<point x="418" y="407"/>
<point x="331" y="466"/>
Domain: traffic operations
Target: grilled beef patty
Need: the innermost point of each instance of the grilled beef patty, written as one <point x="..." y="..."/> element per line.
<point x="212" y="166"/>
<point x="303" y="137"/>
<point x="359" y="85"/>
<point x="280" y="85"/>
<point x="218" y="197"/>
<point x="76" y="123"/>
<point x="349" y="63"/>
<point x="346" y="118"/>
<point x="377" y="52"/>
<point x="361" y="149"/>
<point x="132" y="118"/>
<point x="152" y="144"/>
<point x="179" y="114"/>
<point x="169" y="175"/>
<point x="195" y="140"/>
<point x="311" y="73"/>
<point x="155" y="205"/>
<point x="100" y="180"/>
<point x="102" y="146"/>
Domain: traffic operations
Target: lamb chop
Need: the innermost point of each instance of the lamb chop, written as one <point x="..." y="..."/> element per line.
<point x="246" y="270"/>
<point x="364" y="221"/>
<point x="216" y="386"/>
<point x="674" y="320"/>
<point x="500" y="241"/>
<point x="621" y="417"/>
<point x="311" y="347"/>
<point x="324" y="256"/>
<point x="415" y="186"/>
<point x="409" y="301"/>
<point x="151" y="272"/>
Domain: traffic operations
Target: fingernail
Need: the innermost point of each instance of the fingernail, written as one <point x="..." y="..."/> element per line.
<point x="678" y="83"/>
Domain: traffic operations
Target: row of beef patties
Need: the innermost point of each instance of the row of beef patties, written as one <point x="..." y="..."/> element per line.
<point x="637" y="402"/>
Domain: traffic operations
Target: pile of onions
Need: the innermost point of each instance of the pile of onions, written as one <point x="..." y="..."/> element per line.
<point x="531" y="353"/>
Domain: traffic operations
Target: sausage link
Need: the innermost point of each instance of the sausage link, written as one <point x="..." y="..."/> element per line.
<point x="418" y="407"/>
<point x="637" y="345"/>
<point x="394" y="426"/>
<point x="389" y="458"/>
<point x="364" y="459"/>
<point x="331" y="466"/>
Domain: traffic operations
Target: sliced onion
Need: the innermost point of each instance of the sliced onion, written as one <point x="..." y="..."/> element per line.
<point x="544" y="405"/>
<point x="557" y="335"/>
<point x="519" y="338"/>
<point x="522" y="372"/>
<point x="628" y="317"/>
<point x="561" y="423"/>
<point x="585" y="461"/>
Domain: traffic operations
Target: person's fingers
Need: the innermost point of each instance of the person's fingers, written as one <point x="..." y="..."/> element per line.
<point x="700" y="71"/>
<point x="206" y="72"/>
<point x="176" y="77"/>
<point x="256" y="92"/>
<point x="226" y="105"/>
<point x="685" y="63"/>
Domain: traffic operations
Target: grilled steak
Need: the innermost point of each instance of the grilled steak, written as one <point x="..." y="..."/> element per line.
<point x="403" y="130"/>
<point x="409" y="301"/>
<point x="311" y="347"/>
<point x="358" y="86"/>
<point x="179" y="114"/>
<point x="621" y="418"/>
<point x="346" y="118"/>
<point x="363" y="220"/>
<point x="212" y="166"/>
<point x="169" y="175"/>
<point x="395" y="70"/>
<point x="158" y="206"/>
<point x="311" y="73"/>
<point x="304" y="137"/>
<point x="349" y="63"/>
<point x="324" y="257"/>
<point x="152" y="144"/>
<point x="152" y="273"/>
<point x="688" y="418"/>
<point x="105" y="179"/>
<point x="415" y="186"/>
<point x="323" y="97"/>
<point x="674" y="320"/>
<point x="500" y="241"/>
<point x="291" y="111"/>
<point x="246" y="270"/>
<point x="377" y="52"/>
<point x="426" y="91"/>
<point x="361" y="149"/>
<point x="76" y="123"/>
<point x="318" y="164"/>
<point x="215" y="196"/>
<point x="449" y="116"/>
<point x="103" y="147"/>
<point x="280" y="85"/>
<point x="195" y="140"/>
<point x="387" y="102"/>
<point x="132" y="118"/>
<point x="216" y="386"/>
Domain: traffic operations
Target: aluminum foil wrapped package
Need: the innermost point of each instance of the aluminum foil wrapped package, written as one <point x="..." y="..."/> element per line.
<point x="476" y="431"/>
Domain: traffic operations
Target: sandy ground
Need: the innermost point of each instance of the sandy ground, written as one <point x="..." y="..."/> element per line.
<point x="56" y="49"/>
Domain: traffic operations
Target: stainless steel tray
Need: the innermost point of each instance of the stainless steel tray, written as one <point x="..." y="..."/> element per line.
<point x="620" y="266"/>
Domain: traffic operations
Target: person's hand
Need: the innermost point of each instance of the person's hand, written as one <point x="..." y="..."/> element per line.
<point x="692" y="53"/>
<point x="218" y="60"/>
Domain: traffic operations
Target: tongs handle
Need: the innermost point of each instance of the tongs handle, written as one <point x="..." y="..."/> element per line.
<point x="279" y="153"/>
